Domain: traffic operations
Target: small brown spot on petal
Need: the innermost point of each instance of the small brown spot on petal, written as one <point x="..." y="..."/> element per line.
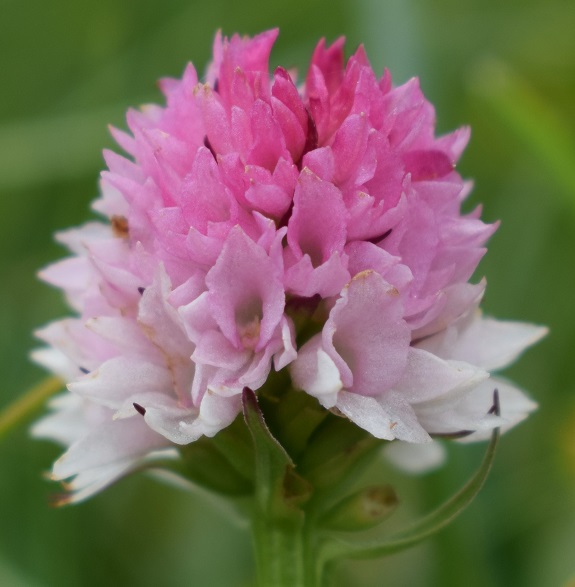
<point x="60" y="499"/>
<point x="361" y="275"/>
<point x="337" y="412"/>
<point x="120" y="226"/>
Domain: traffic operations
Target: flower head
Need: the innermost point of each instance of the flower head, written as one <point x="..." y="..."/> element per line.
<point x="258" y="225"/>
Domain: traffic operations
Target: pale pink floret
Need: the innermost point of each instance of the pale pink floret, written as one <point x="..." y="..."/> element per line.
<point x="363" y="346"/>
<point x="238" y="323"/>
<point x="363" y="365"/>
<point x="244" y="200"/>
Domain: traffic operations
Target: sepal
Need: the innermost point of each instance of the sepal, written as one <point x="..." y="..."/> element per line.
<point x="203" y="464"/>
<point x="222" y="464"/>
<point x="336" y="452"/>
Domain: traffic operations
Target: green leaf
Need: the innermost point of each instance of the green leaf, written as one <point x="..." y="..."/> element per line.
<point x="336" y="454"/>
<point x="207" y="467"/>
<point x="25" y="406"/>
<point x="278" y="486"/>
<point x="427" y="526"/>
<point x="293" y="416"/>
<point x="235" y="444"/>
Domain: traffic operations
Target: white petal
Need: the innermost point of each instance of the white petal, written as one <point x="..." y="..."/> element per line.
<point x="367" y="413"/>
<point x="404" y="420"/>
<point x="78" y="239"/>
<point x="185" y="426"/>
<point x="428" y="377"/>
<point x="160" y="320"/>
<point x="125" y="335"/>
<point x="122" y="377"/>
<point x="55" y="361"/>
<point x="514" y="403"/>
<point x="146" y="400"/>
<point x="386" y="417"/>
<point x="171" y="421"/>
<point x="67" y="423"/>
<point x="111" y="442"/>
<point x="493" y="344"/>
<point x="90" y="482"/>
<point x="288" y="353"/>
<point x="488" y="343"/>
<point x="316" y="373"/>
<point x="217" y="411"/>
<point x="415" y="458"/>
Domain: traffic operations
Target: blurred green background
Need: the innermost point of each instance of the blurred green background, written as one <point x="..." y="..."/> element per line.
<point x="507" y="68"/>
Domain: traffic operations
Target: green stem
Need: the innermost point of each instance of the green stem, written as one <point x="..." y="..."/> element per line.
<point x="280" y="553"/>
<point x="283" y="552"/>
<point x="21" y="409"/>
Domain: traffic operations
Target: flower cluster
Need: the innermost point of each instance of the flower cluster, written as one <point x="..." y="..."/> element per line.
<point x="260" y="225"/>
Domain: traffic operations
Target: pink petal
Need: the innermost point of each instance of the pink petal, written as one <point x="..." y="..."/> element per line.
<point x="317" y="224"/>
<point x="366" y="336"/>
<point x="245" y="290"/>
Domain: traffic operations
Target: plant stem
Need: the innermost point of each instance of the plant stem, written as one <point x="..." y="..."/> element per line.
<point x="283" y="558"/>
<point x="27" y="404"/>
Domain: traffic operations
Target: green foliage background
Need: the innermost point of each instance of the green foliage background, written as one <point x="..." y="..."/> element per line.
<point x="507" y="67"/>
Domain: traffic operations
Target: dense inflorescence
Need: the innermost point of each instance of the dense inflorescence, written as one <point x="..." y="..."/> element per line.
<point x="259" y="225"/>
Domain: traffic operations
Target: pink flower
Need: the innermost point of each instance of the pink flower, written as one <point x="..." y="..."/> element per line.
<point x="246" y="204"/>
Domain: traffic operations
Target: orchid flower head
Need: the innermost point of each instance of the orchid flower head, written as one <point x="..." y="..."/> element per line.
<point x="258" y="223"/>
